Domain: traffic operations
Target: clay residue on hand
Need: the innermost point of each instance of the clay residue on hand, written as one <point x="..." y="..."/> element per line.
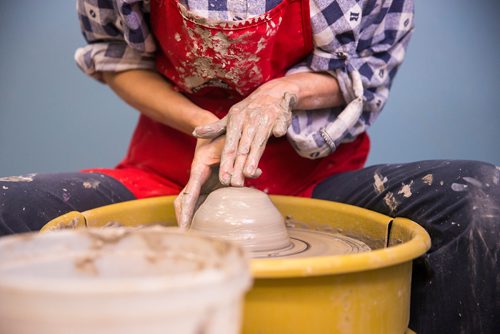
<point x="289" y="100"/>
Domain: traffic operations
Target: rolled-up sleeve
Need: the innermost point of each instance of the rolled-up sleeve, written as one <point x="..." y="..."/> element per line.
<point x="362" y="44"/>
<point x="117" y="34"/>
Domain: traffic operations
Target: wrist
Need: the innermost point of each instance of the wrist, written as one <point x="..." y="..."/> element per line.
<point x="282" y="86"/>
<point x="315" y="90"/>
<point x="203" y="117"/>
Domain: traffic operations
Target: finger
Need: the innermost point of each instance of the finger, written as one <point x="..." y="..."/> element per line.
<point x="228" y="157"/>
<point x="199" y="202"/>
<point x="257" y="149"/>
<point x="258" y="172"/>
<point x="211" y="130"/>
<point x="178" y="207"/>
<point x="179" y="214"/>
<point x="188" y="199"/>
<point x="282" y="123"/>
<point x="237" y="177"/>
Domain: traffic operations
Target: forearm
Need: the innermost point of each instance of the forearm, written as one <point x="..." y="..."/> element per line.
<point x="312" y="90"/>
<point x="148" y="92"/>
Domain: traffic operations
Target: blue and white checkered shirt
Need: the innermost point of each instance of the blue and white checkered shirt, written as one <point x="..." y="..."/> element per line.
<point x="360" y="42"/>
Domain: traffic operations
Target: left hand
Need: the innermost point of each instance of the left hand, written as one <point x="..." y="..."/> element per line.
<point x="248" y="126"/>
<point x="202" y="179"/>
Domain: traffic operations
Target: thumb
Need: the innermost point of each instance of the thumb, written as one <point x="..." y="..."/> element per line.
<point x="186" y="202"/>
<point x="282" y="123"/>
<point x="212" y="130"/>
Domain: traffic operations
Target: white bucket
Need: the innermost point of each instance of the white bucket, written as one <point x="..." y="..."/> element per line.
<point x="120" y="281"/>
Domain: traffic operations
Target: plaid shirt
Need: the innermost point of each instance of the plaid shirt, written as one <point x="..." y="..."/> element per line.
<point x="360" y="42"/>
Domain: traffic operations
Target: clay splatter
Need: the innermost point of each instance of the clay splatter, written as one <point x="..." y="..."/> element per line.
<point x="20" y="178"/>
<point x="66" y="196"/>
<point x="496" y="177"/>
<point x="72" y="224"/>
<point x="472" y="181"/>
<point x="428" y="179"/>
<point x="92" y="184"/>
<point x="5" y="187"/>
<point x="458" y="187"/>
<point x="391" y="202"/>
<point x="86" y="265"/>
<point x="228" y="65"/>
<point x="378" y="185"/>
<point x="218" y="59"/>
<point x="406" y="190"/>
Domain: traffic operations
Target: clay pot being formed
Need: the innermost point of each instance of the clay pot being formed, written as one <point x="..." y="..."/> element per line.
<point x="244" y="215"/>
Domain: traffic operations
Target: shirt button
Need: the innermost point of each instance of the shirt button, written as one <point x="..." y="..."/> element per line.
<point x="341" y="55"/>
<point x="92" y="13"/>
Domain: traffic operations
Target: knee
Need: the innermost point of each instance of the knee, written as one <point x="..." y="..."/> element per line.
<point x="479" y="186"/>
<point x="478" y="182"/>
<point x="469" y="171"/>
<point x="458" y="198"/>
<point x="472" y="181"/>
<point x="478" y="173"/>
<point x="17" y="207"/>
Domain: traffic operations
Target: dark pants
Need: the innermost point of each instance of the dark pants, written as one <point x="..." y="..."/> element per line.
<point x="454" y="288"/>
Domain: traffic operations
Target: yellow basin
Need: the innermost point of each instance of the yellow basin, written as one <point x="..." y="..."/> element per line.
<point x="357" y="293"/>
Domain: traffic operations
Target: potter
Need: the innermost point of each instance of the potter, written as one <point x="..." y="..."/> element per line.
<point x="277" y="96"/>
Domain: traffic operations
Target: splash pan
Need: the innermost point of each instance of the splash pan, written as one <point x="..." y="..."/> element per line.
<point x="366" y="292"/>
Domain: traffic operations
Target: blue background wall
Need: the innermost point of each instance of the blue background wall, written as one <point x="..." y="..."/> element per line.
<point x="444" y="104"/>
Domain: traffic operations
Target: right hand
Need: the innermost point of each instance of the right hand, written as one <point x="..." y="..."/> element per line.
<point x="248" y="125"/>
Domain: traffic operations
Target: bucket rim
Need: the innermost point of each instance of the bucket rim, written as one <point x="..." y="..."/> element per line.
<point x="154" y="283"/>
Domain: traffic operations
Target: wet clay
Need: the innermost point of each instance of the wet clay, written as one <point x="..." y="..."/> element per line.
<point x="244" y="215"/>
<point x="248" y="217"/>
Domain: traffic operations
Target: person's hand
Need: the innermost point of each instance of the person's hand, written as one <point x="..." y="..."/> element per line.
<point x="202" y="180"/>
<point x="248" y="126"/>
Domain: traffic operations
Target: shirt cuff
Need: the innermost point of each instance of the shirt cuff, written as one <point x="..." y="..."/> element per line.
<point x="317" y="133"/>
<point x="96" y="58"/>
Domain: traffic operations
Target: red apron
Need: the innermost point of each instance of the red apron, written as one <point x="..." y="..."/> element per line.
<point x="216" y="65"/>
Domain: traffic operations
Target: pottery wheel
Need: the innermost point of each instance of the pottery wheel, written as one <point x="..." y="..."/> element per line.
<point x="307" y="243"/>
<point x="248" y="217"/>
